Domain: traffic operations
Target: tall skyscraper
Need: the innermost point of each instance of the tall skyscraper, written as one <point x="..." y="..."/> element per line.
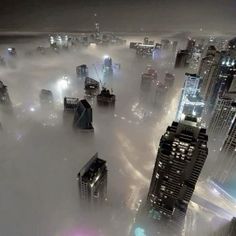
<point x="165" y="44"/>
<point x="174" y="46"/>
<point x="227" y="157"/>
<point x="207" y="71"/>
<point x="190" y="102"/>
<point x="182" y="58"/>
<point x="181" y="155"/>
<point x="190" y="45"/>
<point x="232" y="47"/>
<point x="219" y="80"/>
<point x="92" y="181"/>
<point x="224" y="113"/>
<point x="83" y="116"/>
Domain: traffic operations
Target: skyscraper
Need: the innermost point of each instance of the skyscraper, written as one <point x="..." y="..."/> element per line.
<point x="190" y="102"/>
<point x="227" y="157"/>
<point x="190" y="45"/>
<point x="232" y="47"/>
<point x="223" y="115"/>
<point x="181" y="155"/>
<point x="181" y="60"/>
<point x="92" y="181"/>
<point x="83" y="116"/>
<point x="219" y="79"/>
<point x="207" y="71"/>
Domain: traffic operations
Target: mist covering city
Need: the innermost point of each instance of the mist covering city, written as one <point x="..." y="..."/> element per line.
<point x="109" y="131"/>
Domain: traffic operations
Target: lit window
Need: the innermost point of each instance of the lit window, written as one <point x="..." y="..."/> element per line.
<point x="163" y="187"/>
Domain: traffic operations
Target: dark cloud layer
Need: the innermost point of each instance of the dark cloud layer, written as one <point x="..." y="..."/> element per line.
<point x="129" y="15"/>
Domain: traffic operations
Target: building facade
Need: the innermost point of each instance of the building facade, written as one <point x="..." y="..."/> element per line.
<point x="227" y="157"/>
<point x="180" y="158"/>
<point x="92" y="181"/>
<point x="191" y="103"/>
<point x="223" y="116"/>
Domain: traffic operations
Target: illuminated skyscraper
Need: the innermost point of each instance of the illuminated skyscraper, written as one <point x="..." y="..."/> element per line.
<point x="224" y="113"/>
<point x="181" y="155"/>
<point x="190" y="102"/>
<point x="221" y="78"/>
<point x="92" y="181"/>
<point x="232" y="47"/>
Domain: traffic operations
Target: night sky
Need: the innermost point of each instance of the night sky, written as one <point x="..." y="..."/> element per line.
<point x="119" y="15"/>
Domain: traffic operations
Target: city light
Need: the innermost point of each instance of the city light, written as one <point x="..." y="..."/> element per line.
<point x="139" y="232"/>
<point x="106" y="56"/>
<point x="63" y="83"/>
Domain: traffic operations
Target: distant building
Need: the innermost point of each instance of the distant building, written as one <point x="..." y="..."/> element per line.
<point x="211" y="51"/>
<point x="92" y="181"/>
<point x="223" y="115"/>
<point x="190" y="102"/>
<point x="232" y="47"/>
<point x="181" y="155"/>
<point x="169" y="80"/>
<point x="207" y="70"/>
<point x="190" y="45"/>
<point x="174" y="46"/>
<point x="83" y="117"/>
<point x="182" y="58"/>
<point x="165" y="44"/>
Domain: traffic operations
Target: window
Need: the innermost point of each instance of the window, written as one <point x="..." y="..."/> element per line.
<point x="163" y="187"/>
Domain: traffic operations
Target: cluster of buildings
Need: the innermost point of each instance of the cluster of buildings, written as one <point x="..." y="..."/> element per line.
<point x="183" y="148"/>
<point x="210" y="95"/>
<point x="148" y="48"/>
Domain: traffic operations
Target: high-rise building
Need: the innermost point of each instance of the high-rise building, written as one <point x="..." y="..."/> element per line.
<point x="191" y="103"/>
<point x="227" y="157"/>
<point x="220" y="78"/>
<point x="165" y="44"/>
<point x="92" y="181"/>
<point x="83" y="116"/>
<point x="174" y="46"/>
<point x="190" y="45"/>
<point x="181" y="155"/>
<point x="182" y="58"/>
<point x="211" y="51"/>
<point x="223" y="115"/>
<point x="232" y="47"/>
<point x="207" y="71"/>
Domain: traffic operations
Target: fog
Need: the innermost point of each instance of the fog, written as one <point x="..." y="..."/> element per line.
<point x="41" y="154"/>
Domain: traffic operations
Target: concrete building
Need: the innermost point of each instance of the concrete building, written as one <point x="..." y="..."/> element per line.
<point x="92" y="181"/>
<point x="83" y="117"/>
<point x="207" y="70"/>
<point x="222" y="118"/>
<point x="182" y="58"/>
<point x="181" y="155"/>
<point x="227" y="157"/>
<point x="190" y="102"/>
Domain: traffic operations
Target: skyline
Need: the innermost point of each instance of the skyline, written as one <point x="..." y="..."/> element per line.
<point x="97" y="127"/>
